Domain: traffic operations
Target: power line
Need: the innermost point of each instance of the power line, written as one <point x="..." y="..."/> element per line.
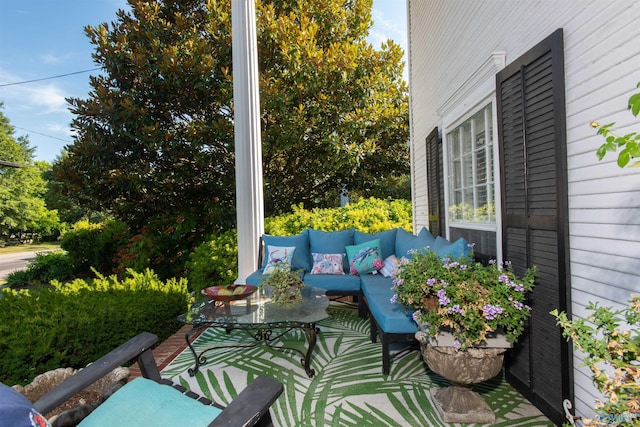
<point x="43" y="134"/>
<point x="48" y="78"/>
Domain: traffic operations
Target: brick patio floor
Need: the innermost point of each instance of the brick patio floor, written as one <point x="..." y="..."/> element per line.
<point x="166" y="351"/>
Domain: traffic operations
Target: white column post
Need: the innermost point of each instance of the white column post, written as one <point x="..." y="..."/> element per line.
<point x="246" y="99"/>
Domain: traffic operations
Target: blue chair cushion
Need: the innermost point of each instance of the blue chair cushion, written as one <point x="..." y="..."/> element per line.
<point x="387" y="240"/>
<point x="144" y="402"/>
<point x="372" y="284"/>
<point x="392" y="318"/>
<point x="331" y="242"/>
<point x="445" y="248"/>
<point x="333" y="282"/>
<point x="301" y="256"/>
<point x="406" y="241"/>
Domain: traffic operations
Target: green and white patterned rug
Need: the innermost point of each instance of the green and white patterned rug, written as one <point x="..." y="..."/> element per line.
<point x="348" y="388"/>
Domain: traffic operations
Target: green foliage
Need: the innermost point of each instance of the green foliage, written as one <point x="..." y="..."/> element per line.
<point x="94" y="245"/>
<point x="367" y="215"/>
<point x="335" y="110"/>
<point x="610" y="341"/>
<point x="155" y="137"/>
<point x="164" y="244"/>
<point x="69" y="210"/>
<point x="47" y="266"/>
<point x="628" y="144"/>
<point x="73" y="324"/>
<point x="469" y="299"/>
<point x="214" y="262"/>
<point x="22" y="207"/>
<point x="284" y="285"/>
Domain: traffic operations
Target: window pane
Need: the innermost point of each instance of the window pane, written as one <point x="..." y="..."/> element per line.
<point x="467" y="171"/>
<point x="481" y="166"/>
<point x="456" y="171"/>
<point x="454" y="138"/>
<point x="465" y="135"/>
<point x="471" y="189"/>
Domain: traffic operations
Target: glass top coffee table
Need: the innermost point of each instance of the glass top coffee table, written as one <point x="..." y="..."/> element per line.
<point x="262" y="319"/>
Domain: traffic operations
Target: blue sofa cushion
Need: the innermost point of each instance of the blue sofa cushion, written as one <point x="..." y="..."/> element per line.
<point x="301" y="256"/>
<point x="372" y="284"/>
<point x="144" y="402"/>
<point x="406" y="241"/>
<point x="332" y="282"/>
<point x="392" y="318"/>
<point x="445" y="248"/>
<point x="387" y="240"/>
<point x="330" y="242"/>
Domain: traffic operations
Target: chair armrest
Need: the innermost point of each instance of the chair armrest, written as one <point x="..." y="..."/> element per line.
<point x="251" y="404"/>
<point x="139" y="346"/>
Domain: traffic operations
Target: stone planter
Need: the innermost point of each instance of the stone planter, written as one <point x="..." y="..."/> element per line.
<point x="458" y="403"/>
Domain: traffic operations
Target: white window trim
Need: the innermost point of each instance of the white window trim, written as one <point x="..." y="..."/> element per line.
<point x="452" y="116"/>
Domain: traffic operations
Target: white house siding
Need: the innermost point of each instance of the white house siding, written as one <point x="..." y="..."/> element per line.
<point x="449" y="40"/>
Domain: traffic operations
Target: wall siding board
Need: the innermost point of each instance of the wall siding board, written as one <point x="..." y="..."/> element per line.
<point x="601" y="64"/>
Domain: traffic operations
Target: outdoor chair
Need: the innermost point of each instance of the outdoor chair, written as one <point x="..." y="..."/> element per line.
<point x="150" y="400"/>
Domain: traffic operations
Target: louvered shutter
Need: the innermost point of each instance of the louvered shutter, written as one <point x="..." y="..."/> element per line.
<point x="532" y="142"/>
<point x="435" y="183"/>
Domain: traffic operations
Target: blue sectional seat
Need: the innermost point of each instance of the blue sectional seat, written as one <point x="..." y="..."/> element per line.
<point x="390" y="321"/>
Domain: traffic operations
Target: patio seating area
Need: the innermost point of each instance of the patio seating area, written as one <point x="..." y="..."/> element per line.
<point x="348" y="386"/>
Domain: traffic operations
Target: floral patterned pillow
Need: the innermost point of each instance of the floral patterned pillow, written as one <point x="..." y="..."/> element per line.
<point x="327" y="263"/>
<point x="279" y="257"/>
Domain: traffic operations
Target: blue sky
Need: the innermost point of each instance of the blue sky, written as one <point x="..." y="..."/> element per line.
<point x="45" y="38"/>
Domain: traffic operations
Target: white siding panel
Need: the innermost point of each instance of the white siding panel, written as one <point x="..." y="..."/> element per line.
<point x="450" y="39"/>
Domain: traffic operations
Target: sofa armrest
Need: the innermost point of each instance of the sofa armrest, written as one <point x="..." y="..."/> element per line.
<point x="251" y="405"/>
<point x="139" y="346"/>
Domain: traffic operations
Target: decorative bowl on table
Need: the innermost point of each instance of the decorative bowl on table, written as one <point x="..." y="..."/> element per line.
<point x="229" y="293"/>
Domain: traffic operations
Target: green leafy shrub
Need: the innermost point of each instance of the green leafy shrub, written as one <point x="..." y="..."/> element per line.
<point x="214" y="262"/>
<point x="367" y="215"/>
<point x="164" y="244"/>
<point x="629" y="144"/>
<point x="47" y="266"/>
<point x="610" y="342"/>
<point x="71" y="324"/>
<point x="94" y="245"/>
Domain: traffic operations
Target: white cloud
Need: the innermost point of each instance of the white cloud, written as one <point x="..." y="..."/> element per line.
<point x="50" y="97"/>
<point x="59" y="129"/>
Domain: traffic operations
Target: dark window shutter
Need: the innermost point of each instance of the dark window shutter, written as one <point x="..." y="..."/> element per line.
<point x="435" y="183"/>
<point x="532" y="143"/>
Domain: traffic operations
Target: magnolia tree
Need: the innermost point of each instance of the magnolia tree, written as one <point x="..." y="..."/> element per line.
<point x="154" y="140"/>
<point x="155" y="135"/>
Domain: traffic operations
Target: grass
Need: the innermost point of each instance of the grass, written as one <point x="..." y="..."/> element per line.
<point x="29" y="248"/>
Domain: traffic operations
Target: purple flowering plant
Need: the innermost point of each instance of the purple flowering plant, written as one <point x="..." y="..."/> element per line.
<point x="464" y="297"/>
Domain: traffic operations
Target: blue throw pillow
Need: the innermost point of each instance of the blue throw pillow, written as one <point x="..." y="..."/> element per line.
<point x="446" y="249"/>
<point x="387" y="240"/>
<point x="301" y="256"/>
<point x="331" y="242"/>
<point x="365" y="257"/>
<point x="406" y="241"/>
